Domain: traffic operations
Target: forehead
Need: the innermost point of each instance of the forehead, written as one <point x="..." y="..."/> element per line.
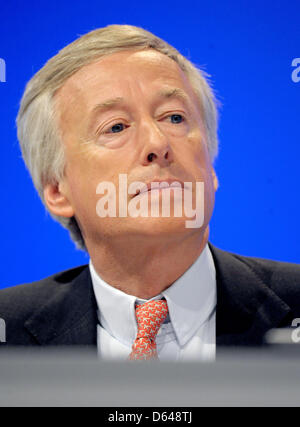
<point x="123" y="72"/>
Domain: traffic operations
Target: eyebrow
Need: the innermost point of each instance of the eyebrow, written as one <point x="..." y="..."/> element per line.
<point x="107" y="105"/>
<point x="174" y="93"/>
<point x="166" y="93"/>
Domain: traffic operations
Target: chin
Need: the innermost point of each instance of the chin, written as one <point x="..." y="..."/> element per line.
<point x="160" y="225"/>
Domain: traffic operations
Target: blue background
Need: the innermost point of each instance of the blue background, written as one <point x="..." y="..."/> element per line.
<point x="247" y="47"/>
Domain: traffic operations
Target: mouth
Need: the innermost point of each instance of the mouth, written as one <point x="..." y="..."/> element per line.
<point x="159" y="184"/>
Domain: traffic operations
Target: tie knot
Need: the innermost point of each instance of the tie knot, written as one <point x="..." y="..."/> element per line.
<point x="150" y="316"/>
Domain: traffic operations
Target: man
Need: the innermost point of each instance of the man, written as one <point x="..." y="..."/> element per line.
<point x="108" y="127"/>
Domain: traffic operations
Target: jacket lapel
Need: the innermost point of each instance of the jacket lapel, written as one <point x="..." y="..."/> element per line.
<point x="246" y="307"/>
<point x="70" y="317"/>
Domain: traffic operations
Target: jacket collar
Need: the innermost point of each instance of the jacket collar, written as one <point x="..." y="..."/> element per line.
<point x="246" y="306"/>
<point x="70" y="316"/>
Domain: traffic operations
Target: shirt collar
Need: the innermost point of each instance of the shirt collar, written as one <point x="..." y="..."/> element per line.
<point x="191" y="300"/>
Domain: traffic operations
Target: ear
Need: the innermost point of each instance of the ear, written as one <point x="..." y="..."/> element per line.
<point x="215" y="179"/>
<point x="57" y="200"/>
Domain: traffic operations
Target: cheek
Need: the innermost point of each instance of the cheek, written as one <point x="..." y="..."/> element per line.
<point x="82" y="181"/>
<point x="86" y="169"/>
<point x="194" y="155"/>
<point x="197" y="163"/>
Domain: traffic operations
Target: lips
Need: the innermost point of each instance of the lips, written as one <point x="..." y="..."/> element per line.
<point x="159" y="184"/>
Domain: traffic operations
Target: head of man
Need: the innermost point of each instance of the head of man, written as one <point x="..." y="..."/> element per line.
<point x="118" y="101"/>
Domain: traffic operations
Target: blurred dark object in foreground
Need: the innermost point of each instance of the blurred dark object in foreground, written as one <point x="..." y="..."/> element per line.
<point x="268" y="376"/>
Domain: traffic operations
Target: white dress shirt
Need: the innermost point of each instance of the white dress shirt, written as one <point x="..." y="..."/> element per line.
<point x="188" y="332"/>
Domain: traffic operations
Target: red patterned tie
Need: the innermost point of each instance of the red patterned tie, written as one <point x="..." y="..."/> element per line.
<point x="149" y="316"/>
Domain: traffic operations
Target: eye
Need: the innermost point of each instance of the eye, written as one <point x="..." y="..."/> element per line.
<point x="118" y="127"/>
<point x="176" y="118"/>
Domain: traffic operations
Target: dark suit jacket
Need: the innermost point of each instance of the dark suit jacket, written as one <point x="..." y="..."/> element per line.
<point x="253" y="296"/>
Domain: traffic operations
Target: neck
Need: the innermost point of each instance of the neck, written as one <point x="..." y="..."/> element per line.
<point x="146" y="269"/>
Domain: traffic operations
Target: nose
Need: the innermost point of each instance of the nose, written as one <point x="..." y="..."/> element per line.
<point x="153" y="156"/>
<point x="156" y="145"/>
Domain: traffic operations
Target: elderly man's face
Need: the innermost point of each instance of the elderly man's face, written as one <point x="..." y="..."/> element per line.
<point x="132" y="113"/>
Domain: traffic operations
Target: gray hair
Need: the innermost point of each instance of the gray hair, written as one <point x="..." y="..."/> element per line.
<point x="38" y="131"/>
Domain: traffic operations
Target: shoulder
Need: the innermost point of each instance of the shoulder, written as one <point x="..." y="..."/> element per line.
<point x="283" y="278"/>
<point x="267" y="269"/>
<point x="276" y="273"/>
<point x="19" y="301"/>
